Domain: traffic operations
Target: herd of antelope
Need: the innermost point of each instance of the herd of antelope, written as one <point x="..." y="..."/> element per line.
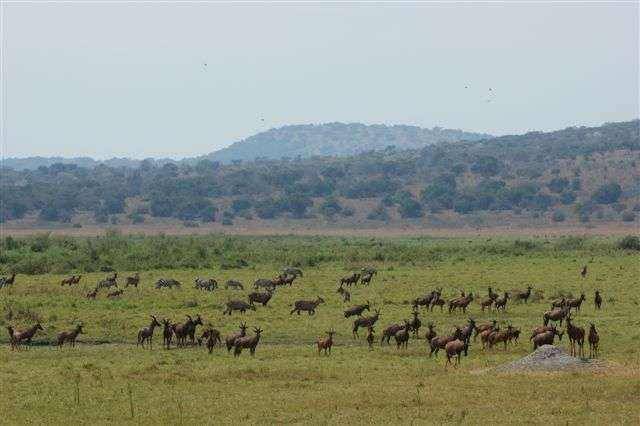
<point x="454" y="344"/>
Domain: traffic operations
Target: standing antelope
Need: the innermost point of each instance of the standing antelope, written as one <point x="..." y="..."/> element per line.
<point x="326" y="344"/>
<point x="440" y="342"/>
<point x="576" y="303"/>
<point x="133" y="280"/>
<point x="370" y="337"/>
<point x="365" y="322"/>
<point x="356" y="310"/>
<point x="501" y="302"/>
<point x="594" y="341"/>
<point x="597" y="300"/>
<point x="346" y="296"/>
<point x="583" y="273"/>
<point x="576" y="337"/>
<point x="247" y="343"/>
<point x="402" y="335"/>
<point x="306" y="305"/>
<point x="69" y="336"/>
<point x="545" y="338"/>
<point x="232" y="338"/>
<point x="17" y="337"/>
<point x="213" y="337"/>
<point x="431" y="333"/>
<point x="415" y="323"/>
<point x="167" y="333"/>
<point x="146" y="334"/>
<point x="455" y="349"/>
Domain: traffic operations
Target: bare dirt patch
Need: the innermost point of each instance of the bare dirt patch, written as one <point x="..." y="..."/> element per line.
<point x="549" y="358"/>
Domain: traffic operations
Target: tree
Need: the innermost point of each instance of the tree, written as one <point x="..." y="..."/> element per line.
<point x="607" y="194"/>
<point x="486" y="166"/>
<point x="410" y="208"/>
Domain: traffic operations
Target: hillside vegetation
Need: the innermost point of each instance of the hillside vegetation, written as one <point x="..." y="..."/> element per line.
<point x="576" y="174"/>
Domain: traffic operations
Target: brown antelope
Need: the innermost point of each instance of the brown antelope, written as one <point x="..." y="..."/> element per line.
<point x="440" y="342"/>
<point x="238" y="305"/>
<point x="522" y="296"/>
<point x="229" y="340"/>
<point x="431" y="333"/>
<point x="233" y="284"/>
<point x="424" y="300"/>
<point x="461" y="303"/>
<point x="326" y="344"/>
<point x="486" y="335"/>
<point x="306" y="305"/>
<point x="482" y="327"/>
<point x="557" y="314"/>
<point x="213" y="338"/>
<point x="583" y="273"/>
<point x="545" y="338"/>
<point x="68" y="281"/>
<point x="146" y="334"/>
<point x="501" y="302"/>
<point x="491" y="294"/>
<point x="365" y="322"/>
<point x="597" y="300"/>
<point x="559" y="303"/>
<point x="76" y="279"/>
<point x="350" y="279"/>
<point x="346" y="296"/>
<point x="576" y="337"/>
<point x="18" y="337"/>
<point x="514" y="335"/>
<point x="133" y="280"/>
<point x="594" y="341"/>
<point x="365" y="279"/>
<point x="247" y="343"/>
<point x="543" y="329"/>
<point x="167" y="333"/>
<point x="415" y="323"/>
<point x="356" y="310"/>
<point x="437" y="301"/>
<point x="486" y="304"/>
<point x="69" y="336"/>
<point x="576" y="303"/>
<point x="402" y="335"/>
<point x="264" y="283"/>
<point x="184" y="330"/>
<point x="114" y="294"/>
<point x="467" y="330"/>
<point x="500" y="336"/>
<point x="92" y="294"/>
<point x="389" y="332"/>
<point x="191" y="332"/>
<point x="256" y="297"/>
<point x="455" y="348"/>
<point x="370" y="337"/>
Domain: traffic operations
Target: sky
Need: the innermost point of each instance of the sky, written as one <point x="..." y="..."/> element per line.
<point x="184" y="79"/>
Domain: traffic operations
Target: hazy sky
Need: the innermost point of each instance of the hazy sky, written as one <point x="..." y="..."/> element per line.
<point x="113" y="79"/>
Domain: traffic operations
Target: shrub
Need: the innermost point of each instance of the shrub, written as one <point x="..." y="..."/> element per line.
<point x="630" y="242"/>
<point x="607" y="194"/>
<point x="628" y="216"/>
<point x="559" y="216"/>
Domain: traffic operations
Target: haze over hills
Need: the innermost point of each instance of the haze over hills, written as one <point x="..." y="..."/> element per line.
<point x="307" y="140"/>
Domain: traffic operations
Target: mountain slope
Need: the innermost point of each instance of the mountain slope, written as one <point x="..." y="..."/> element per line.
<point x="336" y="139"/>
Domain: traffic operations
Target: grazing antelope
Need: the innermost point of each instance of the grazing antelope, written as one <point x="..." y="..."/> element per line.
<point x="69" y="336"/>
<point x="114" y="294"/>
<point x="597" y="300"/>
<point x="18" y="337"/>
<point x="365" y="322"/>
<point x="415" y="323"/>
<point x="594" y="341"/>
<point x="440" y="342"/>
<point x="238" y="305"/>
<point x="576" y="337"/>
<point x="402" y="335"/>
<point x="482" y="327"/>
<point x="501" y="302"/>
<point x="326" y="344"/>
<point x="263" y="298"/>
<point x="350" y="279"/>
<point x="576" y="303"/>
<point x="583" y="273"/>
<point x="133" y="280"/>
<point x="455" y="348"/>
<point x="346" y="296"/>
<point x="92" y="294"/>
<point x="306" y="305"/>
<point x="233" y="284"/>
<point x="229" y="340"/>
<point x="146" y="334"/>
<point x="557" y="314"/>
<point x="264" y="283"/>
<point x="356" y="310"/>
<point x="247" y="343"/>
<point x="545" y="338"/>
<point x="167" y="333"/>
<point x="370" y="337"/>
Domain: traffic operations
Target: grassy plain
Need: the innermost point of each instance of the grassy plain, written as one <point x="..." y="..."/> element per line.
<point x="106" y="379"/>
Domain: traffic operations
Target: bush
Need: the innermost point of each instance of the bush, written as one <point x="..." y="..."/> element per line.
<point x="630" y="242"/>
<point x="628" y="216"/>
<point x="559" y="216"/>
<point x="379" y="213"/>
<point x="607" y="194"/>
<point x="227" y="221"/>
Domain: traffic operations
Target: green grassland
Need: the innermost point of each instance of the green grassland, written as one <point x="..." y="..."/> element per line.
<point x="107" y="379"/>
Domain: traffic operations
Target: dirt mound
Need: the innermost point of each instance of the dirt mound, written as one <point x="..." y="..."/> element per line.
<point x="549" y="358"/>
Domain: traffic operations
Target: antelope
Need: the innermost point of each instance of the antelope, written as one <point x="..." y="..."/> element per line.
<point x="486" y="304"/>
<point x="460" y="303"/>
<point x="576" y="336"/>
<point x="350" y="279"/>
<point x="365" y="322"/>
<point x="594" y="340"/>
<point x="296" y="272"/>
<point x="575" y="303"/>
<point x="7" y="281"/>
<point x="238" y="305"/>
<point x="306" y="305"/>
<point x="557" y="314"/>
<point x="17" y="337"/>
<point x="370" y="337"/>
<point x="182" y="330"/>
<point x="523" y="296"/>
<point x="115" y="294"/>
<point x="133" y="280"/>
<point x="415" y="323"/>
<point x="260" y="297"/>
<point x="597" y="300"/>
<point x="233" y="284"/>
<point x="213" y="337"/>
<point x="167" y="333"/>
<point x="326" y="344"/>
<point x="559" y="303"/>
<point x="346" y="296"/>
<point x="68" y="281"/>
<point x="76" y="279"/>
<point x="366" y="278"/>
<point x="440" y="342"/>
<point x="545" y="338"/>
<point x="482" y="327"/>
<point x="583" y="273"/>
<point x="146" y="334"/>
<point x="500" y="336"/>
<point x="501" y="302"/>
<point x="424" y="300"/>
<point x="514" y="335"/>
<point x="543" y="329"/>
<point x="491" y="294"/>
<point x="485" y="336"/>
<point x="455" y="349"/>
<point x="108" y="282"/>
<point x="92" y="294"/>
<point x="69" y="336"/>
<point x="437" y="301"/>
<point x="431" y="333"/>
<point x="356" y="310"/>
<point x="289" y="279"/>
<point x="191" y="331"/>
<point x="247" y="343"/>
<point x="389" y="332"/>
<point x="467" y="330"/>
<point x="264" y="283"/>
<point x="229" y="340"/>
<point x="402" y="335"/>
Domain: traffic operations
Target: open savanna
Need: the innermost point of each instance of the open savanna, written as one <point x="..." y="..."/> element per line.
<point x="107" y="379"/>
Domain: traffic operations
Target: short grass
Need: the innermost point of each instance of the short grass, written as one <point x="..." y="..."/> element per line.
<point x="106" y="379"/>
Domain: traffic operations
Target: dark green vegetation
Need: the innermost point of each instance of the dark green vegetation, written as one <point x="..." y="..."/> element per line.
<point x="585" y="174"/>
<point x="106" y="379"/>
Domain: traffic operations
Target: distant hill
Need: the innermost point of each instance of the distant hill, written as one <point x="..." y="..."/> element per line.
<point x="32" y="163"/>
<point x="336" y="139"/>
